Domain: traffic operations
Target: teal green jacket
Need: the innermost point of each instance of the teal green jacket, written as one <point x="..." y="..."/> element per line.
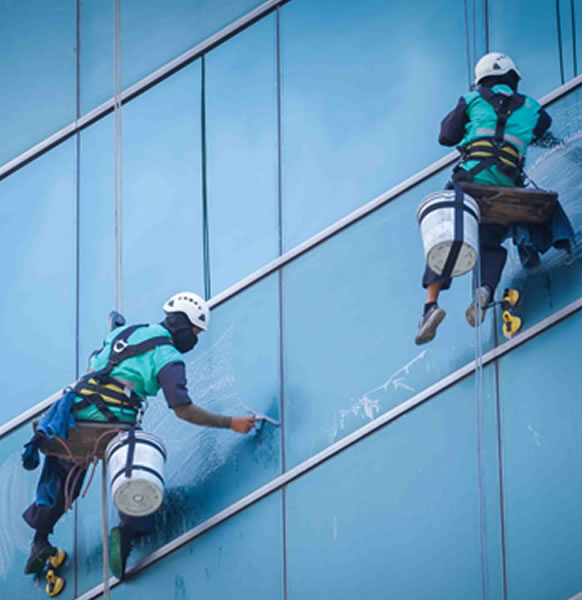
<point x="142" y="370"/>
<point x="474" y="117"/>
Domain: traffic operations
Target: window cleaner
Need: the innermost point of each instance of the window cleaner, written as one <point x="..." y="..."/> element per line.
<point x="134" y="362"/>
<point x="493" y="125"/>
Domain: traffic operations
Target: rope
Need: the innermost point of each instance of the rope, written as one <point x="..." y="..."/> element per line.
<point x="479" y="423"/>
<point x="105" y="531"/>
<point x="81" y="464"/>
<point x="118" y="157"/>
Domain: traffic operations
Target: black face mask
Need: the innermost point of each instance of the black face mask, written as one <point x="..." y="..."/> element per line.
<point x="184" y="340"/>
<point x="180" y="327"/>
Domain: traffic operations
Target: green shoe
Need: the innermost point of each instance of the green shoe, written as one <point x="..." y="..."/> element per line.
<point x="119" y="549"/>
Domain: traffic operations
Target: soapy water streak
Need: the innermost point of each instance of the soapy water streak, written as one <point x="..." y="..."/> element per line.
<point x="367" y="406"/>
<point x="195" y="452"/>
<point x="558" y="169"/>
<point x="16" y="492"/>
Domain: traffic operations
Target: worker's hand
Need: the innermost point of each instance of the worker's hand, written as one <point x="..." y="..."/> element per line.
<point x="243" y="424"/>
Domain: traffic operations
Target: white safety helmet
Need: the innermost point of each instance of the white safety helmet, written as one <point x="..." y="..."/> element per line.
<point x="494" y="63"/>
<point x="193" y="306"/>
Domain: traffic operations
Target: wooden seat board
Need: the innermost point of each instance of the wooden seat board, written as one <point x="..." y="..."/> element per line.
<point x="506" y="205"/>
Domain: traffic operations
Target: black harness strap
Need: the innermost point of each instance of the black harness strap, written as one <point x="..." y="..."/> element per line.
<point x="459" y="216"/>
<point x="130" y="452"/>
<point x="91" y="387"/>
<point x="500" y="151"/>
<point x="99" y="402"/>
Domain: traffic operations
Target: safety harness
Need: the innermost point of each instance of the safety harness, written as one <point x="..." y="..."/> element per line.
<point x="100" y="389"/>
<point x="495" y="146"/>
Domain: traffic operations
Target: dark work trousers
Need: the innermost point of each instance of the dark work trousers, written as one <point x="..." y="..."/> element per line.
<point x="43" y="518"/>
<point x="492" y="255"/>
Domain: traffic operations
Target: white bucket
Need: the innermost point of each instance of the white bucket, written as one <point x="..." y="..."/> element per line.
<point x="141" y="491"/>
<point x="450" y="232"/>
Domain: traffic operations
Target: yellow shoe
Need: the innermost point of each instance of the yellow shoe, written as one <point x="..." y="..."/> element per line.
<point x="54" y="584"/>
<point x="57" y="559"/>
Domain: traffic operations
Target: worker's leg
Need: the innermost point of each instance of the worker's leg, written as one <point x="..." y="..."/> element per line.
<point x="47" y="509"/>
<point x="432" y="314"/>
<point x="493" y="256"/>
<point x="122" y="538"/>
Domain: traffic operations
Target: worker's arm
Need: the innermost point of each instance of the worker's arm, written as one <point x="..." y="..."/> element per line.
<point x="453" y="125"/>
<point x="172" y="378"/>
<point x="543" y="124"/>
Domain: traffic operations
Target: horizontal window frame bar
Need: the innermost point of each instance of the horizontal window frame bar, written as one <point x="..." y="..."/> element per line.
<point x="350" y="440"/>
<point x="172" y="67"/>
<point x="141" y="86"/>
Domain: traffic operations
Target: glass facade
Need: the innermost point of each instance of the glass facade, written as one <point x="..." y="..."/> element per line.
<point x="467" y="485"/>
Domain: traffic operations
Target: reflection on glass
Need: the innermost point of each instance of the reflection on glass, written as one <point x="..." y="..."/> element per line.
<point x="162" y="208"/>
<point x="404" y="502"/>
<point x="152" y="35"/>
<point x="540" y="389"/>
<point x="361" y="104"/>
<point x="528" y="32"/>
<point x="241" y="130"/>
<point x="38" y="66"/>
<point x="226" y="562"/>
<point x="162" y="202"/>
<point x="38" y="303"/>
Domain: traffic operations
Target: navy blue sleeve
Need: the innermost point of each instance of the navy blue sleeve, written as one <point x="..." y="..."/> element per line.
<point x="453" y="125"/>
<point x="543" y="124"/>
<point x="172" y="378"/>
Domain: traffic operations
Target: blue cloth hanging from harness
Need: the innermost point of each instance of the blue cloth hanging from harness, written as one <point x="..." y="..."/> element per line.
<point x="532" y="240"/>
<point x="55" y="423"/>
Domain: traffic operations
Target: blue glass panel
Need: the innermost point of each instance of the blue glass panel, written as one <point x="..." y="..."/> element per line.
<point x="241" y="559"/>
<point x="558" y="279"/>
<point x="38" y="66"/>
<point x="567" y="32"/>
<point x="96" y="77"/>
<point x="162" y="208"/>
<point x="351" y="308"/>
<point x="361" y="105"/>
<point x="162" y="194"/>
<point x="17" y="491"/>
<point x="234" y="366"/>
<point x="528" y="32"/>
<point x="540" y="389"/>
<point x="38" y="302"/>
<point x="397" y="515"/>
<point x="577" y="38"/>
<point x="152" y="35"/>
<point x="242" y="154"/>
<point x="97" y="249"/>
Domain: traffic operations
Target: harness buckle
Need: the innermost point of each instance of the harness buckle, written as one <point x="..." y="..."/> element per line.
<point x="120" y="346"/>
